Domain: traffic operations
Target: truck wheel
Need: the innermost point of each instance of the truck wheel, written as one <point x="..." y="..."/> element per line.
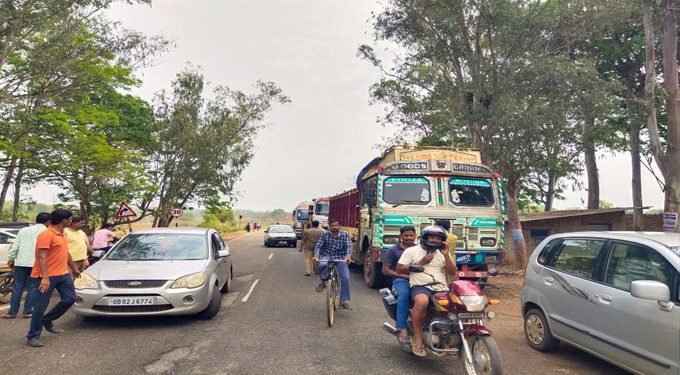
<point x="373" y="272"/>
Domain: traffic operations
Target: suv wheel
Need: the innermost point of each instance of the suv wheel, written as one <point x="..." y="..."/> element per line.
<point x="538" y="333"/>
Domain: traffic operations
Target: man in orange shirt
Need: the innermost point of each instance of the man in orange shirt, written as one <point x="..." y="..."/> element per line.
<point x="51" y="271"/>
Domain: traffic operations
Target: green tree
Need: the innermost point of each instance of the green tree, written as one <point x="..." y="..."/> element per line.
<point x="202" y="145"/>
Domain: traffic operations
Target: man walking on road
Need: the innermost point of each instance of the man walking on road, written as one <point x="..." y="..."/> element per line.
<point x="407" y="236"/>
<point x="78" y="244"/>
<point x="309" y="240"/>
<point x="51" y="271"/>
<point x="335" y="245"/>
<point x="20" y="260"/>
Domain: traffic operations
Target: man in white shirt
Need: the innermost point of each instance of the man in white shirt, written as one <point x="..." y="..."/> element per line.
<point x="433" y="255"/>
<point x="21" y="258"/>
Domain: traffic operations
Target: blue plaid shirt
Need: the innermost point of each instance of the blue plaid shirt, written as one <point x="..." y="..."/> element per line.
<point x="337" y="248"/>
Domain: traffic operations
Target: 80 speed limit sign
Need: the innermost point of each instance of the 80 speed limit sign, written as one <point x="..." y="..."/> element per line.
<point x="176" y="212"/>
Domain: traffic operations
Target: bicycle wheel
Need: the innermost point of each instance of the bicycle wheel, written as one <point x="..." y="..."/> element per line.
<point x="338" y="288"/>
<point x="330" y="301"/>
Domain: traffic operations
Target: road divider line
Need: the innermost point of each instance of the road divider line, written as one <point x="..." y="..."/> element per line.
<point x="270" y="255"/>
<point x="245" y="298"/>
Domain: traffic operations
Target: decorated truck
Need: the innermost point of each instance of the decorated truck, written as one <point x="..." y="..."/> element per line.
<point x="413" y="185"/>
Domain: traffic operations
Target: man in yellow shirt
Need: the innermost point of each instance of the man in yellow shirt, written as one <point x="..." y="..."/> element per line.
<point x="78" y="244"/>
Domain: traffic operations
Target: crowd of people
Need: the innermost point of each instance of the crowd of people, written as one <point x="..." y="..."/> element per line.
<point x="46" y="256"/>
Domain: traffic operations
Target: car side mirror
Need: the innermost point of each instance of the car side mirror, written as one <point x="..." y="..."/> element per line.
<point x="11" y="240"/>
<point x="492" y="272"/>
<point x="651" y="290"/>
<point x="416" y="268"/>
<point x="223" y="253"/>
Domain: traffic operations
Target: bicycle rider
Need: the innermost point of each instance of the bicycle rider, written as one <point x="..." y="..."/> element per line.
<point x="433" y="255"/>
<point x="335" y="245"/>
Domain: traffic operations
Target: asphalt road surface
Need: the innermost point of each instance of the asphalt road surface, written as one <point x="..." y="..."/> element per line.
<point x="276" y="327"/>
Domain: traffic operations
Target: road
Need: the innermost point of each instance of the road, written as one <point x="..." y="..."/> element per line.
<point x="277" y="328"/>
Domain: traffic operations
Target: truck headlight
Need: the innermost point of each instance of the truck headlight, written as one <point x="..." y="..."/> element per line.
<point x="85" y="281"/>
<point x="487" y="242"/>
<point x="390" y="239"/>
<point x="189" y="281"/>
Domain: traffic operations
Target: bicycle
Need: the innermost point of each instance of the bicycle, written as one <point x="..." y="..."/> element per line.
<point x="333" y="287"/>
<point x="6" y="281"/>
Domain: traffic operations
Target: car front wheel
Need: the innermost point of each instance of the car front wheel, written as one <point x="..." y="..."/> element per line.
<point x="538" y="332"/>
<point x="213" y="307"/>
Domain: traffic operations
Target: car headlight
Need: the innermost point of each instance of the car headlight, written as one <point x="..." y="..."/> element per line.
<point x="85" y="281"/>
<point x="474" y="303"/>
<point x="189" y="281"/>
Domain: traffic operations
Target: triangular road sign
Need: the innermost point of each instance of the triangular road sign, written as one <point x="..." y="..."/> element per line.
<point x="125" y="211"/>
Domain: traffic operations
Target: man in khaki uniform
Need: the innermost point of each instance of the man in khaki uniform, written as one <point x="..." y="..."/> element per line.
<point x="309" y="239"/>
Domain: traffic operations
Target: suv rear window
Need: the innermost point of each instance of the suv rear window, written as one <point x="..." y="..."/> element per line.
<point x="578" y="256"/>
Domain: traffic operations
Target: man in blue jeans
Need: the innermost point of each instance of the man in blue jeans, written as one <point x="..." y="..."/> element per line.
<point x="335" y="245"/>
<point x="20" y="260"/>
<point x="407" y="236"/>
<point x="50" y="272"/>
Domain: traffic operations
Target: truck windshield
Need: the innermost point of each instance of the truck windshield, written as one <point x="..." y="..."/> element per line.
<point x="406" y="190"/>
<point x="322" y="209"/>
<point x="472" y="192"/>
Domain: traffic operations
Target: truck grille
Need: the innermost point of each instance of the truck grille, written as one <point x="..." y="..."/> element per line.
<point x="132" y="309"/>
<point x="125" y="284"/>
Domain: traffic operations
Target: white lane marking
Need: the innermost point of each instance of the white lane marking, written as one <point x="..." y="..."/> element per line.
<point x="245" y="298"/>
<point x="270" y="255"/>
<point x="231" y="298"/>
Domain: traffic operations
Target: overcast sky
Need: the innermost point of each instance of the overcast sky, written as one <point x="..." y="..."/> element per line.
<point x="315" y="145"/>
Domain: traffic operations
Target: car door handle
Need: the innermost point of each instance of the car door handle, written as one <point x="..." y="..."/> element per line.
<point x="548" y="280"/>
<point x="604" y="298"/>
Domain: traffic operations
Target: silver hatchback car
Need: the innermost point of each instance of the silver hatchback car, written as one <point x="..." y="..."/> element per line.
<point x="161" y="271"/>
<point x="615" y="295"/>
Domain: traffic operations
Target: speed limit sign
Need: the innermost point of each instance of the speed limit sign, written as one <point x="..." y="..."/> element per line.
<point x="176" y="212"/>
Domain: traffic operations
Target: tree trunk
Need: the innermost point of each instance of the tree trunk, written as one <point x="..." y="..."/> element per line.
<point x="9" y="175"/>
<point x="518" y="244"/>
<point x="669" y="48"/>
<point x="550" y="195"/>
<point x="636" y="181"/>
<point x="591" y="163"/>
<point x="17" y="190"/>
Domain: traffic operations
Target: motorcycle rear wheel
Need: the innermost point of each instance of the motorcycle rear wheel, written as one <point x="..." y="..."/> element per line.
<point x="486" y="357"/>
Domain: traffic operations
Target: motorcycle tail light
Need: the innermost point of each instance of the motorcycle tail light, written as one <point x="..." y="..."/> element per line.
<point x="494" y="302"/>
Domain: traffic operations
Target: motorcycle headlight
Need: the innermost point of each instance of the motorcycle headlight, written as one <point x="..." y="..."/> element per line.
<point x="85" y="281"/>
<point x="189" y="281"/>
<point x="474" y="303"/>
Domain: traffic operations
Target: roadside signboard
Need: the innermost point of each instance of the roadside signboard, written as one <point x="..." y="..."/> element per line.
<point x="670" y="221"/>
<point x="176" y="212"/>
<point x="124" y="211"/>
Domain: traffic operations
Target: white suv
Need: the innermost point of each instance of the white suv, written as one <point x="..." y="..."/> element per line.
<point x="615" y="295"/>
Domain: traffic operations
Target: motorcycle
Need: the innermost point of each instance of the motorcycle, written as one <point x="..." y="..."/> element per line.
<point x="454" y="324"/>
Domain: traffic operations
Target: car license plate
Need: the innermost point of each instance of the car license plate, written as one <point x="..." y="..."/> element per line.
<point x="474" y="315"/>
<point x="131" y="301"/>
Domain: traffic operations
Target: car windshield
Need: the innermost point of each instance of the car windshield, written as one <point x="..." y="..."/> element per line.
<point x="322" y="209"/>
<point x="160" y="246"/>
<point x="407" y="190"/>
<point x="281" y="229"/>
<point x="471" y="192"/>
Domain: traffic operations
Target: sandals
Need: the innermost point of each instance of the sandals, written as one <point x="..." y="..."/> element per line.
<point x="404" y="340"/>
<point x="344" y="305"/>
<point x="419" y="350"/>
<point x="320" y="287"/>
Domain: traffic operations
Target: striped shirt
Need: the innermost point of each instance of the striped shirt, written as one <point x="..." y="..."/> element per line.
<point x="336" y="247"/>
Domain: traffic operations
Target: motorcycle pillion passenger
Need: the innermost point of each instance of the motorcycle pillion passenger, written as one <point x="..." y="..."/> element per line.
<point x="433" y="255"/>
<point x="400" y="281"/>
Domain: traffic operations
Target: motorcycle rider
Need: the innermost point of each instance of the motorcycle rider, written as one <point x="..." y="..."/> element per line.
<point x="407" y="236"/>
<point x="433" y="255"/>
